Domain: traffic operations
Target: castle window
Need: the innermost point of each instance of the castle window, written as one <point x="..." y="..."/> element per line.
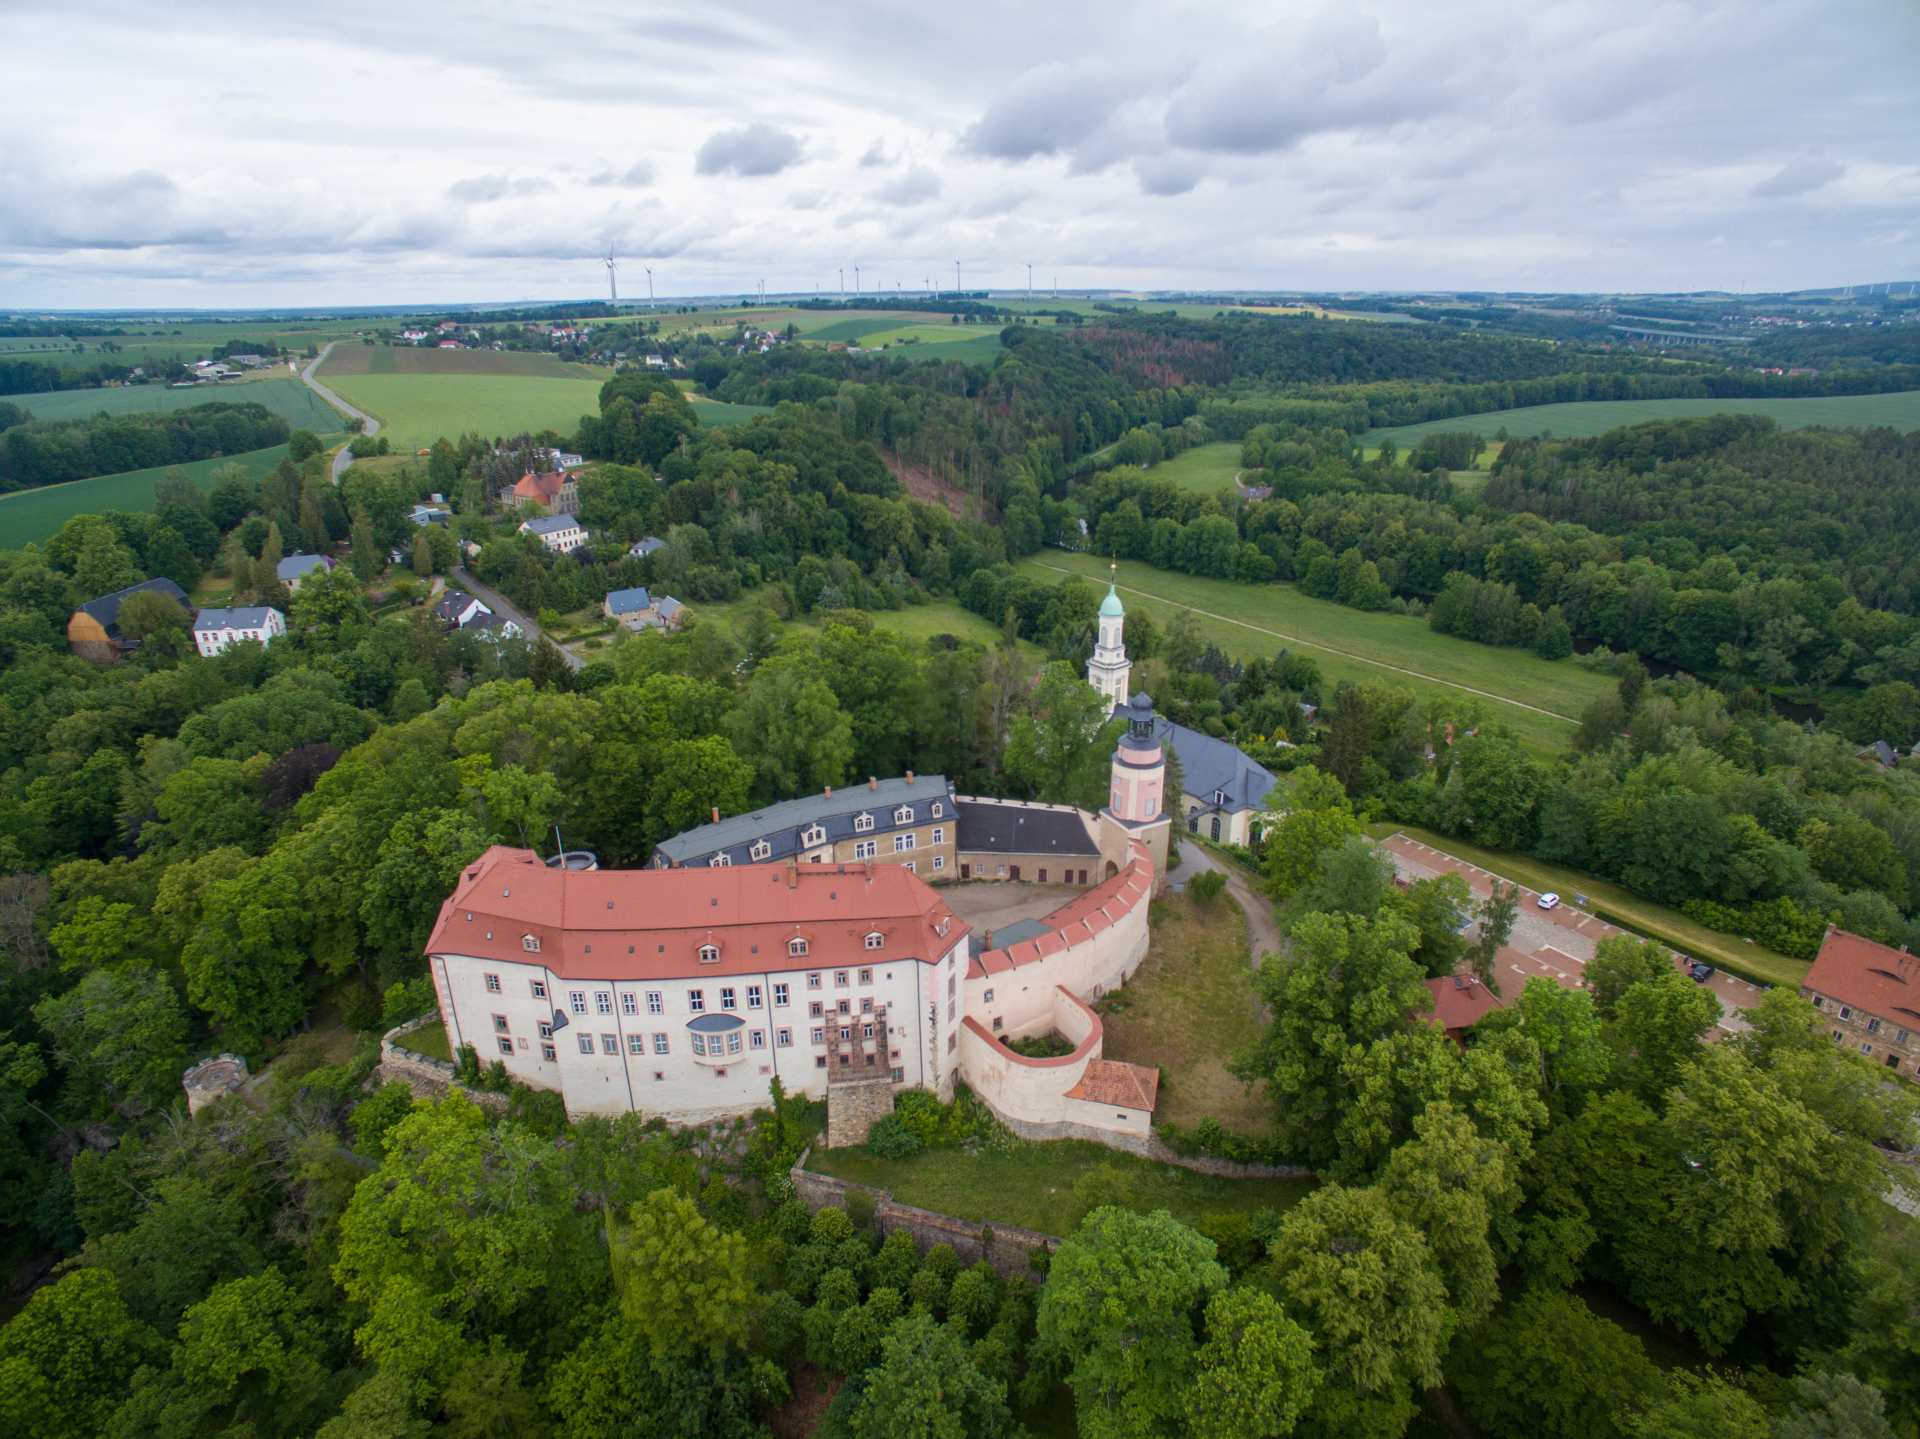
<point x="866" y="976"/>
<point x="609" y="1044"/>
<point x="530" y="943"/>
<point x="783" y="1038"/>
<point x="761" y="849"/>
<point x="864" y="849"/>
<point x="759" y="1039"/>
<point x="939" y="835"/>
<point x="577" y="1000"/>
<point x="636" y="1044"/>
<point x="661" y="1044"/>
<point x="700" y="1045"/>
<point x="719" y="861"/>
<point x="939" y="861"/>
<point x="813" y="981"/>
<point x="753" y="996"/>
<point x="499" y="1024"/>
<point x="629" y="1003"/>
<point x="654" y="1004"/>
<point x="938" y="809"/>
<point x="812" y="835"/>
<point x="862" y="823"/>
<point x="709" y="954"/>
<point x="727" y="997"/>
<point x="796" y="947"/>
<point x="696" y="1001"/>
<point x="506" y="1046"/>
<point x="586" y="1044"/>
<point x="875" y="940"/>
<point x="733" y="1041"/>
<point x="839" y="979"/>
<point x="902" y="843"/>
<point x="547" y="1053"/>
<point x="493" y="983"/>
<point x="602" y="1002"/>
<point x="780" y="995"/>
<point x="903" y="815"/>
<point x="546" y="1030"/>
<point x="539" y="989"/>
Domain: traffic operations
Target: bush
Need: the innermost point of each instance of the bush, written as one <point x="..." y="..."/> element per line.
<point x="860" y="1207"/>
<point x="409" y="999"/>
<point x="891" y="1138"/>
<point x="1206" y="887"/>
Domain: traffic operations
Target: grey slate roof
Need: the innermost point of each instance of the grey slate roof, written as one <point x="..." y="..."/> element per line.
<point x="294" y="566"/>
<point x="1023" y="829"/>
<point x="550" y="524"/>
<point x="627" y="602"/>
<point x="247" y="617"/>
<point x="643" y="548"/>
<point x="669" y="607"/>
<point x="780" y="825"/>
<point x="1209" y="766"/>
<point x="452" y="603"/>
<point x="106" y="609"/>
<point x="1018" y="932"/>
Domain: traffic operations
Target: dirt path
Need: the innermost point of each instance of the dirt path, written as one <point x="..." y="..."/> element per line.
<point x="1263" y="934"/>
<point x="1329" y="649"/>
<point x="343" y="458"/>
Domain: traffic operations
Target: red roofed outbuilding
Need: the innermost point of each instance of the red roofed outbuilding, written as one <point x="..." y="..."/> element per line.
<point x="1869" y="995"/>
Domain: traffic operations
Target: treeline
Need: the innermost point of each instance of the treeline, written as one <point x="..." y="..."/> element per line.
<point x="33" y="377"/>
<point x="48" y="453"/>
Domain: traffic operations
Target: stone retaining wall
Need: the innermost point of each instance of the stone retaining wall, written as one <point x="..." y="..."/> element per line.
<point x="1008" y="1248"/>
<point x="427" y="1077"/>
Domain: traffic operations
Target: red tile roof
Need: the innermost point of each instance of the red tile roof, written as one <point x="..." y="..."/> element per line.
<point x="1121" y="1085"/>
<point x="1460" y="1001"/>
<point x="1079" y="919"/>
<point x="541" y="487"/>
<point x="651" y="923"/>
<point x="1869" y="976"/>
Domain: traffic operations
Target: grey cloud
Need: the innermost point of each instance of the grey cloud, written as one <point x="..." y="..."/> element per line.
<point x="1166" y="174"/>
<point x="916" y="187"/>
<point x="483" y="189"/>
<point x="806" y="199"/>
<point x="1049" y="109"/>
<point x="751" y="150"/>
<point x="876" y="157"/>
<point x="636" y="176"/>
<point x="1799" y="177"/>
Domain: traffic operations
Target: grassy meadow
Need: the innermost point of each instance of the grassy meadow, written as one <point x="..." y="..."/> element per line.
<point x="1539" y="700"/>
<point x="30" y="516"/>
<point x="1204" y="469"/>
<point x="356" y="359"/>
<point x="1582" y="419"/>
<point x="284" y="395"/>
<point x="450" y="392"/>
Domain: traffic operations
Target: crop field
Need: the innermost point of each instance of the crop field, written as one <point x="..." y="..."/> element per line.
<point x="1581" y="419"/>
<point x="30" y="516"/>
<point x="416" y="410"/>
<point x="851" y="330"/>
<point x="724" y="416"/>
<point x="1205" y="469"/>
<point x="355" y="359"/>
<point x="1539" y="700"/>
<point x="285" y="396"/>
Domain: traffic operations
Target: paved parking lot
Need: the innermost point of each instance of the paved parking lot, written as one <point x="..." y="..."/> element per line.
<point x="1552" y="944"/>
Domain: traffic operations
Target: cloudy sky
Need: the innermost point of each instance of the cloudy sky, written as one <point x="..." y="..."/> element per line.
<point x="354" y="152"/>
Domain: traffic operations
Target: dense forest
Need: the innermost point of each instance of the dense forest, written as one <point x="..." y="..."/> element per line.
<point x="36" y="452"/>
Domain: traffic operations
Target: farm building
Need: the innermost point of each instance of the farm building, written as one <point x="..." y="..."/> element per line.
<point x="93" y="630"/>
<point x="295" y="568"/>
<point x="215" y="630"/>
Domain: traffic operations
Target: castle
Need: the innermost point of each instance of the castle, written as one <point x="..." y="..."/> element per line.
<point x="684" y="991"/>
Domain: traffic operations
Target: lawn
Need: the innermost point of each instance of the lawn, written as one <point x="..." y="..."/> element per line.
<point x="358" y="359"/>
<point x="1031" y="1185"/>
<point x="1187" y="1009"/>
<point x="29" y="516"/>
<point x="1579" y="419"/>
<point x="1539" y="700"/>
<point x="430" y="1040"/>
<point x="285" y="396"/>
<point x="917" y="622"/>
<point x="724" y="416"/>
<point x="1628" y="910"/>
<point x="1205" y="469"/>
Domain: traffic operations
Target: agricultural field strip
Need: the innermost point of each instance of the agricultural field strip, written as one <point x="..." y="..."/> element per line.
<point x="1583" y="419"/>
<point x="1326" y="648"/>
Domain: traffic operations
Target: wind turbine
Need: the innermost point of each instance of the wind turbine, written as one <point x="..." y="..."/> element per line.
<point x="1029" y="279"/>
<point x="856" y="279"/>
<point x="649" y="270"/>
<point x="843" y="279"/>
<point x="956" y="278"/>
<point x="613" y="287"/>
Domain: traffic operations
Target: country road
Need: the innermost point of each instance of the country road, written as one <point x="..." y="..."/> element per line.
<point x="1318" y="645"/>
<point x="343" y="458"/>
<point x="501" y="606"/>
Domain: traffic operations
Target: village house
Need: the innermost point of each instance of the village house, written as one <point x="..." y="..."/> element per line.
<point x="294" y="569"/>
<point x="563" y="534"/>
<point x="1869" y="996"/>
<point x="424" y="515"/>
<point x="640" y="549"/>
<point x="553" y="490"/>
<point x="215" y="630"/>
<point x="93" y="630"/>
<point x="637" y="609"/>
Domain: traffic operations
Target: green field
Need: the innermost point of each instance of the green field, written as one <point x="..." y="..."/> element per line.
<point x="416" y="410"/>
<point x="29" y="516"/>
<point x="356" y="359"/>
<point x="917" y="622"/>
<point x="722" y="415"/>
<point x="1205" y="469"/>
<point x="285" y="396"/>
<point x="1539" y="700"/>
<point x="1581" y="419"/>
<point x="1032" y="1185"/>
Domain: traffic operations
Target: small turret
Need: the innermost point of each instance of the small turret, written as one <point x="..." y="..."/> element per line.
<point x="1109" y="669"/>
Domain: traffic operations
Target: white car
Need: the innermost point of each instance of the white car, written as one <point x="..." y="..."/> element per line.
<point x="1549" y="900"/>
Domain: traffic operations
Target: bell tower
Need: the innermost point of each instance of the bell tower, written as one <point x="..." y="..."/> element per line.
<point x="1109" y="669"/>
<point x="1136" y="802"/>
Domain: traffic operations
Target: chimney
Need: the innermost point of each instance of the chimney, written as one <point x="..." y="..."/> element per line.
<point x="716" y="814"/>
<point x="909" y="776"/>
<point x="829" y="791"/>
<point x="793" y="875"/>
<point x="872" y="783"/>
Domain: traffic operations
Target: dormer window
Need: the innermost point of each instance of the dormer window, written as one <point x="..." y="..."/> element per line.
<point x="709" y="954"/>
<point x="761" y="849"/>
<point x="875" y="940"/>
<point x="903" y="815"/>
<point x="530" y="943"/>
<point x="796" y="947"/>
<point x="812" y="836"/>
<point x="938" y="809"/>
<point x="862" y="823"/>
<point x="719" y="861"/>
<point x="1220" y="798"/>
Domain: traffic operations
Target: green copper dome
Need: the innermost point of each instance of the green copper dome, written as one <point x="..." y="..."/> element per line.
<point x="1110" y="607"/>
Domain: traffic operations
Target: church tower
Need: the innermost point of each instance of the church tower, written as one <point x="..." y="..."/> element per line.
<point x="1136" y="799"/>
<point x="1110" y="669"/>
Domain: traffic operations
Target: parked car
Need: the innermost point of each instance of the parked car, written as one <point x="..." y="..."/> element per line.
<point x="1549" y="900"/>
<point x="1700" y="971"/>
